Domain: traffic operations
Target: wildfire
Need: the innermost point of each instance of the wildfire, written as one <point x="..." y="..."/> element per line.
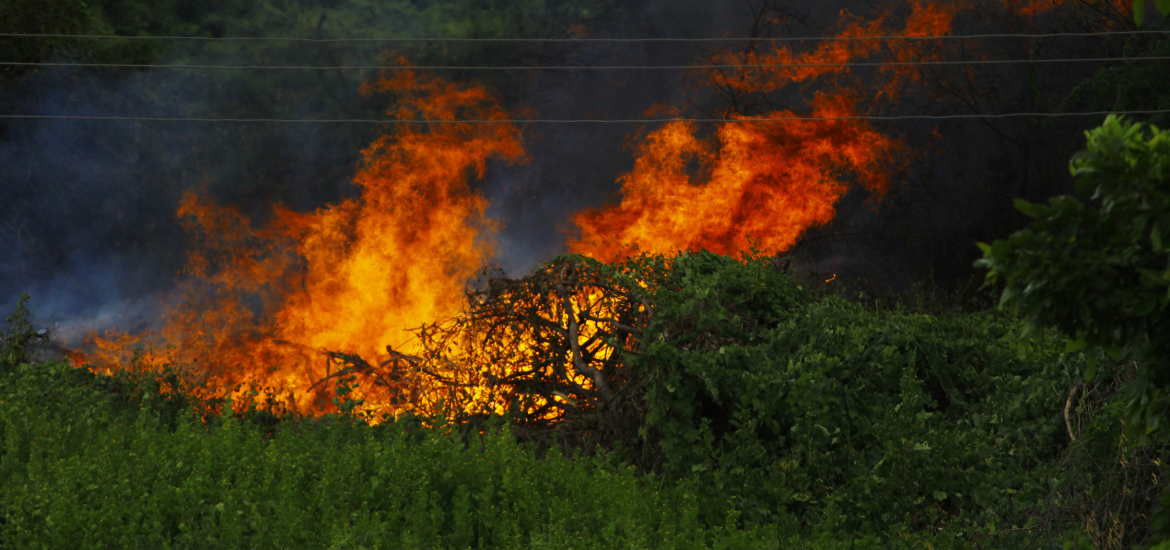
<point x="770" y="181"/>
<point x="762" y="180"/>
<point x="262" y="305"/>
<point x="283" y="299"/>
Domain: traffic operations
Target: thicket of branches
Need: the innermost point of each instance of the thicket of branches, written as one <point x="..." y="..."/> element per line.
<point x="549" y="350"/>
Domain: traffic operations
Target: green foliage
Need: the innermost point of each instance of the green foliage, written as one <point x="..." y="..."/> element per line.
<point x="1100" y="270"/>
<point x="16" y="345"/>
<point x="1108" y="487"/>
<point x="75" y="475"/>
<point x="786" y="404"/>
<point x="1139" y="9"/>
<point x="37" y="17"/>
<point x="783" y="418"/>
<point x="76" y="17"/>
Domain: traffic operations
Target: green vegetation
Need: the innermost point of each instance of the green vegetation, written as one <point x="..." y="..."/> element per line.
<point x="1138" y="85"/>
<point x="784" y="417"/>
<point x="1099" y="269"/>
<point x="865" y="419"/>
<point x="804" y="408"/>
<point x="91" y="461"/>
<point x="77" y="475"/>
<point x="773" y="412"/>
<point x="1139" y="9"/>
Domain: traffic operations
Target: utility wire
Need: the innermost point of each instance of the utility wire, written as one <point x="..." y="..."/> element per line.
<point x="583" y="121"/>
<point x="585" y="67"/>
<point x="617" y="40"/>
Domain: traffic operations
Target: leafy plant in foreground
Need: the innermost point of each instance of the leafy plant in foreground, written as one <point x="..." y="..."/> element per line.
<point x="16" y="346"/>
<point x="786" y="404"/>
<point x="1100" y="270"/>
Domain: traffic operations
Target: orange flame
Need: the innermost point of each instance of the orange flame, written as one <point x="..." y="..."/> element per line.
<point x="770" y="181"/>
<point x="762" y="180"/>
<point x="349" y="277"/>
<point x="265" y="298"/>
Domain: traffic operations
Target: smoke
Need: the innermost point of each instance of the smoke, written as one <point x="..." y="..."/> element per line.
<point x="79" y="228"/>
<point x="87" y="208"/>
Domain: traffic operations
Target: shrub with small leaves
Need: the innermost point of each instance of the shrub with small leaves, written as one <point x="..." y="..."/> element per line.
<point x="789" y="404"/>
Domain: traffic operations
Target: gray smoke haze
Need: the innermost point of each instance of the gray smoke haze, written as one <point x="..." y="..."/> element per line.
<point x="87" y="223"/>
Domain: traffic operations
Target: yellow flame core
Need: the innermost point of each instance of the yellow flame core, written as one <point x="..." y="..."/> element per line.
<point x="265" y="302"/>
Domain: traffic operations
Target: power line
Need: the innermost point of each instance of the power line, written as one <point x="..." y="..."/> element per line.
<point x="584" y="121"/>
<point x="583" y="39"/>
<point x="585" y="67"/>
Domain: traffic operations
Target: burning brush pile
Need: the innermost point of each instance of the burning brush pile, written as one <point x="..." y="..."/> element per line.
<point x="549" y="350"/>
<point x="362" y="305"/>
<point x="786" y="405"/>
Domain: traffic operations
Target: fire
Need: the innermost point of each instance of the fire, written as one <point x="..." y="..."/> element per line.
<point x="283" y="300"/>
<point x="767" y="182"/>
<point x="261" y="304"/>
<point x="544" y="346"/>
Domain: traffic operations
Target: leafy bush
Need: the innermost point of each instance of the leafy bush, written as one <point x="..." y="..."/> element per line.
<point x="75" y="472"/>
<point x="868" y="421"/>
<point x="17" y="343"/>
<point x="1108" y="487"/>
<point x="781" y="417"/>
<point x="1100" y="271"/>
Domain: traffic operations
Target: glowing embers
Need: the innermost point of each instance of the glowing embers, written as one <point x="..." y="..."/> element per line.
<point x="549" y="345"/>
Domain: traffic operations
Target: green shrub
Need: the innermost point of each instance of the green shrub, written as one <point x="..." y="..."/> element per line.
<point x="867" y="421"/>
<point x="75" y="475"/>
<point x="782" y="417"/>
<point x="16" y="344"/>
<point x="1109" y="487"/>
<point x="1099" y="270"/>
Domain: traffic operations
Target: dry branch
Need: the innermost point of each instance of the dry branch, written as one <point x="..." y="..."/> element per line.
<point x="548" y="349"/>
